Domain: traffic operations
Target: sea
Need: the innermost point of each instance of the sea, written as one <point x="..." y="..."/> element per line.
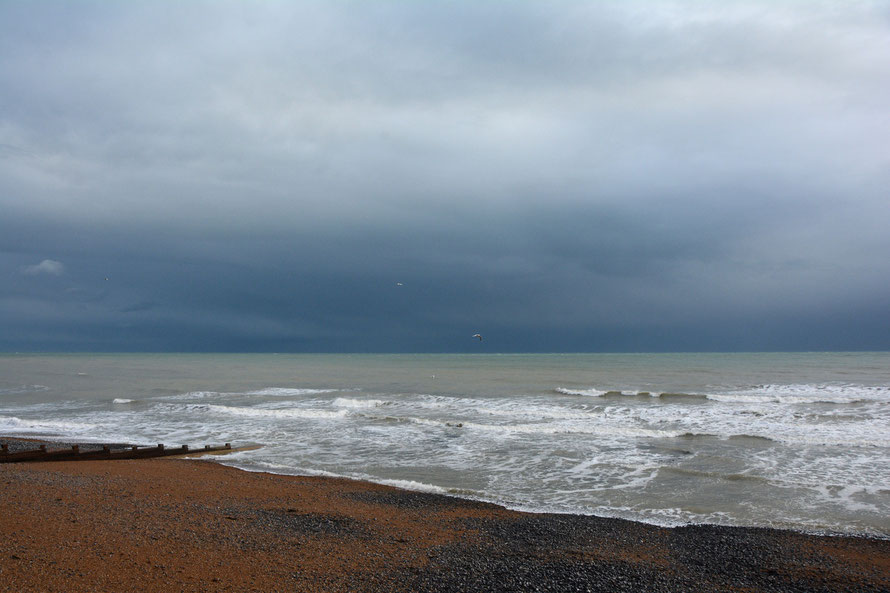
<point x="785" y="440"/>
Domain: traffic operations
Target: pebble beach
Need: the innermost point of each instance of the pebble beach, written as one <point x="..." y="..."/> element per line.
<point x="160" y="525"/>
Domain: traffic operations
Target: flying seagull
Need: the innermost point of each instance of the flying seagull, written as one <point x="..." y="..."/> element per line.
<point x="478" y="336"/>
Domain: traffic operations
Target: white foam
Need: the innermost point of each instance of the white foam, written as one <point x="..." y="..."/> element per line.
<point x="768" y="420"/>
<point x="287" y="391"/>
<point x="348" y="402"/>
<point x="260" y="466"/>
<point x="415" y="486"/>
<point x="267" y="392"/>
<point x="803" y="393"/>
<point x="285" y="413"/>
<point x="594" y="392"/>
<point x="519" y="407"/>
<point x="589" y="392"/>
<point x="574" y="428"/>
<point x="191" y="395"/>
<point x="17" y="425"/>
<point x="245" y="460"/>
<point x="424" y="421"/>
<point x="437" y="402"/>
<point x="536" y="411"/>
<point x="46" y="408"/>
<point x="122" y="400"/>
<point x="663" y="517"/>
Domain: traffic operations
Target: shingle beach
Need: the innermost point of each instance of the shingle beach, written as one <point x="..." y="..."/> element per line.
<point x="162" y="525"/>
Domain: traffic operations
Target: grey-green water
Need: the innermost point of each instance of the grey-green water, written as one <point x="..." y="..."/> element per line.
<point x="797" y="440"/>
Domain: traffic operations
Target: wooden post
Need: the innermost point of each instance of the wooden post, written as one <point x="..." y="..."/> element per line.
<point x="185" y="447"/>
<point x="160" y="446"/>
<point x="134" y="448"/>
<point x="206" y="447"/>
<point x="228" y="445"/>
<point x="75" y="449"/>
<point x="5" y="448"/>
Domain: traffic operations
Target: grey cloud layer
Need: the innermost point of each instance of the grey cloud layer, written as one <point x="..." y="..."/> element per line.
<point x="576" y="175"/>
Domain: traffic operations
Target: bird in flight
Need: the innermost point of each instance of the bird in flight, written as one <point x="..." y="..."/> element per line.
<point x="478" y="336"/>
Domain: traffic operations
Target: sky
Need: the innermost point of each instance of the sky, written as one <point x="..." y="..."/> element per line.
<point x="394" y="176"/>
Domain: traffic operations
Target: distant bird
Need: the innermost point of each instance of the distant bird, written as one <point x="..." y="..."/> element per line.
<point x="478" y="336"/>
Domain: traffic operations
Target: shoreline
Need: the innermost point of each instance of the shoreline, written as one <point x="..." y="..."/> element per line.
<point x="434" y="490"/>
<point x="21" y="442"/>
<point x="196" y="525"/>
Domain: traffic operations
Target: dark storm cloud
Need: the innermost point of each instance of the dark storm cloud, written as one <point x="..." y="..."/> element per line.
<point x="610" y="175"/>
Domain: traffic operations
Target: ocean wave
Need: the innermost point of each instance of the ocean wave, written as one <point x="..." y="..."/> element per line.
<point x="588" y="392"/>
<point x="710" y="475"/>
<point x="122" y="400"/>
<point x="348" y="402"/>
<point x="438" y="402"/>
<point x="251" y="464"/>
<point x="45" y="408"/>
<point x="254" y="465"/>
<point x="302" y="470"/>
<point x="24" y="389"/>
<point x="756" y="437"/>
<point x="515" y="408"/>
<point x="191" y="395"/>
<point x="267" y="413"/>
<point x="14" y="424"/>
<point x="268" y="391"/>
<point x="848" y="393"/>
<point x="574" y="428"/>
<point x="412" y="485"/>
<point x="575" y="425"/>
<point x="806" y="393"/>
<point x="287" y="391"/>
<point x="662" y="517"/>
<point x="832" y="439"/>
<point x="776" y="399"/>
<point x="535" y="411"/>
<point x="593" y="392"/>
<point x="411" y="420"/>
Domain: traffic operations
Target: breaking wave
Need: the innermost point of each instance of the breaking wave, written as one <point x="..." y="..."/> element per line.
<point x="771" y="393"/>
<point x="288" y="413"/>
<point x="848" y="393"/>
<point x="13" y="424"/>
<point x="608" y="393"/>
<point x="348" y="402"/>
<point x="288" y="391"/>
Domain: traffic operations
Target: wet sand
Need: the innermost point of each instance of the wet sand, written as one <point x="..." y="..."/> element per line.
<point x="164" y="525"/>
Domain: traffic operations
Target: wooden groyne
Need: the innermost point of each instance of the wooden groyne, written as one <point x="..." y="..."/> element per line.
<point x="73" y="453"/>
